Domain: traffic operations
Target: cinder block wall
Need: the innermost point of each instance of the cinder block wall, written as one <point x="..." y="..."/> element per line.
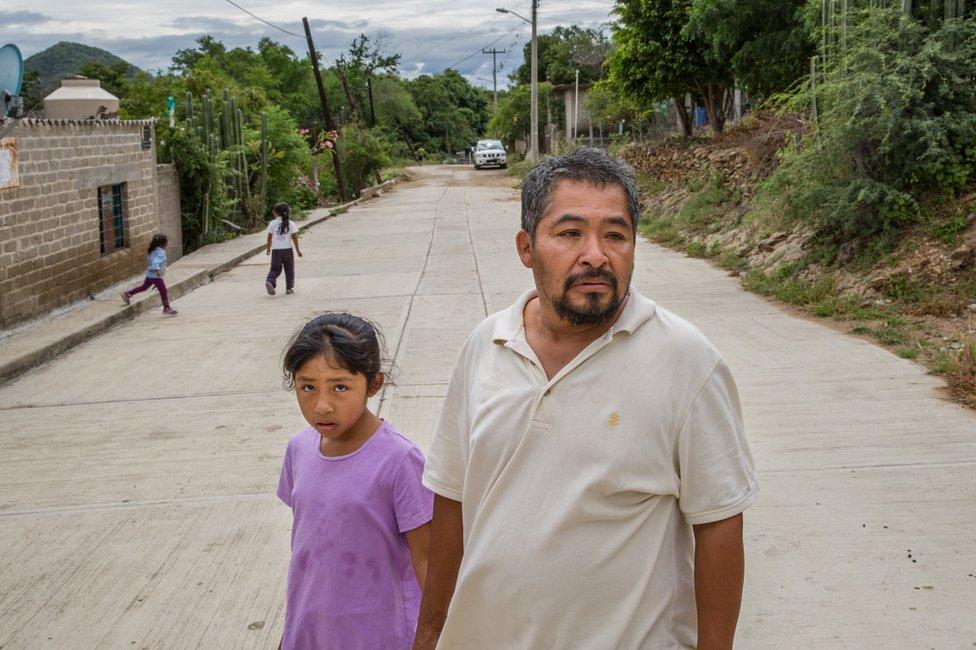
<point x="49" y="226"/>
<point x="168" y="209"/>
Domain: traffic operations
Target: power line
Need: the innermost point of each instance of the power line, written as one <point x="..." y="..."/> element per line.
<point x="457" y="36"/>
<point x="453" y="38"/>
<point x="478" y="51"/>
<point x="280" y="29"/>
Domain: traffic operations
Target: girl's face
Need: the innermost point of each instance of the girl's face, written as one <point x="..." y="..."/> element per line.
<point x="331" y="398"/>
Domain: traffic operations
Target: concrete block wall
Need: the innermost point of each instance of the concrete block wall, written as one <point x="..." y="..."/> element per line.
<point x="168" y="209"/>
<point x="49" y="226"/>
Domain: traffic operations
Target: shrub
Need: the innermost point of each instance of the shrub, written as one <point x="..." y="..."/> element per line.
<point x="897" y="121"/>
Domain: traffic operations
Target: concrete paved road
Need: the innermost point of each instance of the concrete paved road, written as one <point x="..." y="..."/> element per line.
<point x="137" y="472"/>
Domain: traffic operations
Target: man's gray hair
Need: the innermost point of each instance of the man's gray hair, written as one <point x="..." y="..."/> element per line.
<point x="586" y="164"/>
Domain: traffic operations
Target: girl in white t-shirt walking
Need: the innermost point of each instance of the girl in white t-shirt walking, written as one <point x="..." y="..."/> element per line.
<point x="282" y="233"/>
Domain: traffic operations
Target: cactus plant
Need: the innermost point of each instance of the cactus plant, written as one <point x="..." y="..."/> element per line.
<point x="221" y="131"/>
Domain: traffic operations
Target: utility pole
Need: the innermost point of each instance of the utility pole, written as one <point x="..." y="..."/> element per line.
<point x="494" y="74"/>
<point x="576" y="108"/>
<point x="534" y="126"/>
<point x="534" y="133"/>
<point x="329" y="123"/>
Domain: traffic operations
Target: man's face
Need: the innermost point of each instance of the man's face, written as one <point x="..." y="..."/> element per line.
<point x="583" y="254"/>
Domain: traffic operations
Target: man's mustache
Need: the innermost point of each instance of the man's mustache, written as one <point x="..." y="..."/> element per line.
<point x="594" y="274"/>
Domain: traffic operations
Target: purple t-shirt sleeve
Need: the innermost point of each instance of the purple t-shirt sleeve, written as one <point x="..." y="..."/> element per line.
<point x="285" y="481"/>
<point x="413" y="503"/>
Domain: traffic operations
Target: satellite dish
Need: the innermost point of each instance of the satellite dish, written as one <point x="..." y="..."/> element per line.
<point x="11" y="77"/>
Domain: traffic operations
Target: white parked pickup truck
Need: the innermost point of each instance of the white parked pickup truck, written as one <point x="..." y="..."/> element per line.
<point x="490" y="153"/>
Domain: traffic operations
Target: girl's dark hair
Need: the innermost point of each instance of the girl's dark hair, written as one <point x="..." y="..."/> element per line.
<point x="282" y="210"/>
<point x="158" y="241"/>
<point x="351" y="341"/>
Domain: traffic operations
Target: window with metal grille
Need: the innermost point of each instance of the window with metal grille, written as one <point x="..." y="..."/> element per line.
<point x="111" y="221"/>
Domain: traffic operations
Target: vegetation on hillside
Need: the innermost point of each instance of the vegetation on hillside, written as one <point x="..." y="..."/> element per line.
<point x="46" y="69"/>
<point x="854" y="197"/>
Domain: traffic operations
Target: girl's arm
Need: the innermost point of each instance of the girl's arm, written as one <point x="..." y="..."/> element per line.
<point x="417" y="541"/>
<point x="447" y="549"/>
<point x="294" y="239"/>
<point x="267" y="250"/>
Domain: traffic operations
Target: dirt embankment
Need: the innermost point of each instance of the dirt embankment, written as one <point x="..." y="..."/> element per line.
<point x="918" y="299"/>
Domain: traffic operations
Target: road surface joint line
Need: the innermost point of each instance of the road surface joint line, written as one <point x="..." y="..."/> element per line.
<point x="150" y="503"/>
<point x="139" y="399"/>
<point x="474" y="253"/>
<point x="420" y="280"/>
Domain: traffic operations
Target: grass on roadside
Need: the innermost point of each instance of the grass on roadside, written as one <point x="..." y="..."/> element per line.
<point x="519" y="169"/>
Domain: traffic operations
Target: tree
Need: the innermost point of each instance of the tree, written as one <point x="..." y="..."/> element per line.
<point x="511" y="121"/>
<point x="562" y="53"/>
<point x="766" y="42"/>
<point x="655" y="59"/>
<point x="609" y="108"/>
<point x="366" y="58"/>
<point x="114" y="78"/>
<point x="454" y="112"/>
<point x="30" y="90"/>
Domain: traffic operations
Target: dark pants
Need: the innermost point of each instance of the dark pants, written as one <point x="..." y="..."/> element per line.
<point x="153" y="282"/>
<point x="282" y="257"/>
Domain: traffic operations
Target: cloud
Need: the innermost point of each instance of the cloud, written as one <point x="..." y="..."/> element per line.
<point x="430" y="34"/>
<point x="12" y="19"/>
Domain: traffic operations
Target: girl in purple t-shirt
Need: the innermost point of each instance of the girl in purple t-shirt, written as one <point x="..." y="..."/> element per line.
<point x="361" y="517"/>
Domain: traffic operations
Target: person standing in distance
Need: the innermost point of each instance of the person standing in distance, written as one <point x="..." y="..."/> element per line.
<point x="590" y="466"/>
<point x="282" y="233"/>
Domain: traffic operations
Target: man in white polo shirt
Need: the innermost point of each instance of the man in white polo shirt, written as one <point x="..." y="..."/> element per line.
<point x="590" y="464"/>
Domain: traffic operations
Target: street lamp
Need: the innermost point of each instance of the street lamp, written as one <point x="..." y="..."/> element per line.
<point x="534" y="117"/>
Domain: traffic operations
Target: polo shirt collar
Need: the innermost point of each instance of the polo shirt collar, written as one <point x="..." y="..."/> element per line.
<point x="637" y="311"/>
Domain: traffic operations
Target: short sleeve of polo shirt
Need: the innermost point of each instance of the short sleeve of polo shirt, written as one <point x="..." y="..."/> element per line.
<point x="717" y="475"/>
<point x="446" y="462"/>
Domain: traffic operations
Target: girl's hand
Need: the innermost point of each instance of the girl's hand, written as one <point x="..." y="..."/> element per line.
<point x="267" y="251"/>
<point x="300" y="254"/>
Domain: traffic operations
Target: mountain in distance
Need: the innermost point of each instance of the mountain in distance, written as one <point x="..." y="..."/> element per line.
<point x="65" y="59"/>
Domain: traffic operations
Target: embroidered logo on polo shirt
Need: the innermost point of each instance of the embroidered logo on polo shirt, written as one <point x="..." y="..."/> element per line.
<point x="613" y="420"/>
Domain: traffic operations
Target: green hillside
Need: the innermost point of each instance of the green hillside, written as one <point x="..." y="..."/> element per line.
<point x="65" y="59"/>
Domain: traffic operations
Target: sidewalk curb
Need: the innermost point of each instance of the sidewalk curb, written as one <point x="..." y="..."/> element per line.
<point x="25" y="362"/>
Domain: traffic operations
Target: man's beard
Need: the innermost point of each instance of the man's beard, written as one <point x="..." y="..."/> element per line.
<point x="591" y="313"/>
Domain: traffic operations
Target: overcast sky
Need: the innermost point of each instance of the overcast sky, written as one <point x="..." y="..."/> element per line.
<point x="431" y="35"/>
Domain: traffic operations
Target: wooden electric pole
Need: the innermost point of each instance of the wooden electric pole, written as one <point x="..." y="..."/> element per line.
<point x="494" y="74"/>
<point x="329" y="123"/>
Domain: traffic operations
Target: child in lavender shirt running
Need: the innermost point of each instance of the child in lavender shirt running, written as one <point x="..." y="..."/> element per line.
<point x="360" y="514"/>
<point x="155" y="270"/>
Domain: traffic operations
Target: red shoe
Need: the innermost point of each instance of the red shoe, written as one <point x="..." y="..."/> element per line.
<point x="169" y="311"/>
<point x="125" y="297"/>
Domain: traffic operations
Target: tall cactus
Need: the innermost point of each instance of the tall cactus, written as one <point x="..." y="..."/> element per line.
<point x="264" y="163"/>
<point x="221" y="131"/>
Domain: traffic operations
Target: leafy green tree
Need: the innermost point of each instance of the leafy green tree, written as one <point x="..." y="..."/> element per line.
<point x="564" y="51"/>
<point x="114" y="78"/>
<point x="366" y="58"/>
<point x="454" y="112"/>
<point x="654" y="59"/>
<point x="511" y="121"/>
<point x="766" y="42"/>
<point x="30" y="90"/>
<point x="609" y="108"/>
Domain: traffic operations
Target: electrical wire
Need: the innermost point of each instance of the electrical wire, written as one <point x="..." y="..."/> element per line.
<point x="478" y="51"/>
<point x="280" y="29"/>
<point x="457" y="36"/>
